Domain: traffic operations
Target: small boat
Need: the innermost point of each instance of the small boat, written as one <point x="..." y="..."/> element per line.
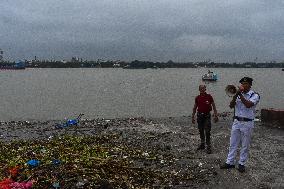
<point x="12" y="66"/>
<point x="282" y="69"/>
<point x="210" y="76"/>
<point x="134" y="67"/>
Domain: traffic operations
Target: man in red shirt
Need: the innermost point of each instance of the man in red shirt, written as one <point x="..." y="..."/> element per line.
<point x="203" y="104"/>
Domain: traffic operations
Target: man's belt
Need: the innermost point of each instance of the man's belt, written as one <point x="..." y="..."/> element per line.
<point x="202" y="113"/>
<point x="242" y="118"/>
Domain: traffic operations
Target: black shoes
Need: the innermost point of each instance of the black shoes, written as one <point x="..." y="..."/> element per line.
<point x="208" y="150"/>
<point x="201" y="147"/>
<point x="227" y="166"/>
<point x="241" y="168"/>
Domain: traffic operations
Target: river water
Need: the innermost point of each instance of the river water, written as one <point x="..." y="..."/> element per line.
<point x="43" y="94"/>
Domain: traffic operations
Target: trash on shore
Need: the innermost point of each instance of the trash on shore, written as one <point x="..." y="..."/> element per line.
<point x="8" y="183"/>
<point x="125" y="153"/>
<point x="33" y="163"/>
<point x="69" y="122"/>
<point x="86" y="162"/>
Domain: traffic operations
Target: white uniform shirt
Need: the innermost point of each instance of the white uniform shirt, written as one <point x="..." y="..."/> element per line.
<point x="241" y="110"/>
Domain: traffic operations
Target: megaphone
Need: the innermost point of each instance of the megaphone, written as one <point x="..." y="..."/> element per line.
<point x="231" y="90"/>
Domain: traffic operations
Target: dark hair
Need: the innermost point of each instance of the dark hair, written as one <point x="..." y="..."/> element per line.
<point x="246" y="79"/>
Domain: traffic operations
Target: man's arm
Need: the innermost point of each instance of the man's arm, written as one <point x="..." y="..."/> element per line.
<point x="214" y="108"/>
<point x="193" y="113"/>
<point x="215" y="114"/>
<point x="246" y="102"/>
<point x="233" y="101"/>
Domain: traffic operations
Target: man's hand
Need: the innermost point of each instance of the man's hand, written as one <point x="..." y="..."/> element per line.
<point x="193" y="120"/>
<point x="238" y="93"/>
<point x="215" y="118"/>
<point x="239" y="90"/>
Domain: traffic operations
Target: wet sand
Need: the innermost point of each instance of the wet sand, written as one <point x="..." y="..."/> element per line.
<point x="174" y="140"/>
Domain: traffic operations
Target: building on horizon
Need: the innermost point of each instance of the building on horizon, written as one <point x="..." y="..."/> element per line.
<point x="1" y="55"/>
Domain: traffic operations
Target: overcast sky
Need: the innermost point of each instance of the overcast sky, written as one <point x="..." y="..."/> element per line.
<point x="155" y="30"/>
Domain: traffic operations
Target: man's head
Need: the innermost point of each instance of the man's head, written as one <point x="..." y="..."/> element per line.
<point x="246" y="83"/>
<point x="202" y="89"/>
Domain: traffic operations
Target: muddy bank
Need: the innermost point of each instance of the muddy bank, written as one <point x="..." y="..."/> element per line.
<point x="167" y="146"/>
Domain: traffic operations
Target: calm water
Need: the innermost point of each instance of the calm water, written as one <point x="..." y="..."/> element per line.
<point x="43" y="94"/>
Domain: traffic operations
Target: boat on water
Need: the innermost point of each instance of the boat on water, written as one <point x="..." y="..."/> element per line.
<point x="13" y="66"/>
<point x="210" y="76"/>
<point x="134" y="67"/>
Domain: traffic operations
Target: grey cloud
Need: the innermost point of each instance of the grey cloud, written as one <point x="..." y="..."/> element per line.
<point x="182" y="30"/>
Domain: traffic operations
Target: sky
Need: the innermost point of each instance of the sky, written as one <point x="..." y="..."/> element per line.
<point x="148" y="30"/>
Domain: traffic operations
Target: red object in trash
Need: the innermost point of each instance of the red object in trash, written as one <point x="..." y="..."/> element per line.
<point x="14" y="171"/>
<point x="8" y="183"/>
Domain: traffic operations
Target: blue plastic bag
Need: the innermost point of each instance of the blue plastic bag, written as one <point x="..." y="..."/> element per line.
<point x="56" y="162"/>
<point x="72" y="122"/>
<point x="69" y="122"/>
<point x="33" y="163"/>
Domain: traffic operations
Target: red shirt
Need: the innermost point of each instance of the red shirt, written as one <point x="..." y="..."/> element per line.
<point x="204" y="102"/>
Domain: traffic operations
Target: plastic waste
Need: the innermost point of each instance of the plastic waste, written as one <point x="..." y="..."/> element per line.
<point x="9" y="183"/>
<point x="72" y="122"/>
<point x="56" y="185"/>
<point x="33" y="163"/>
<point x="43" y="150"/>
<point x="56" y="162"/>
<point x="14" y="171"/>
<point x="69" y="122"/>
<point x="20" y="185"/>
<point x="80" y="184"/>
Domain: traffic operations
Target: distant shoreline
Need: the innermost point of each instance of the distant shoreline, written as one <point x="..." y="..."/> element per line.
<point x="142" y="64"/>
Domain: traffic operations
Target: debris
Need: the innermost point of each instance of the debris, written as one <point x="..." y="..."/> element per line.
<point x="33" y="163"/>
<point x="128" y="153"/>
<point x="56" y="185"/>
<point x="69" y="122"/>
<point x="56" y="162"/>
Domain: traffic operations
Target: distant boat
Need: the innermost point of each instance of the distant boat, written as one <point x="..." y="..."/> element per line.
<point x="13" y="66"/>
<point x="282" y="69"/>
<point x="134" y="67"/>
<point x="210" y="76"/>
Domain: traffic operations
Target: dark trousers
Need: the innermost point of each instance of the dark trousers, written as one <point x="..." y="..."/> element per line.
<point x="204" y="127"/>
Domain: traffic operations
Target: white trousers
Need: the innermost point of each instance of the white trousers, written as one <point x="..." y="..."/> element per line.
<point x="240" y="134"/>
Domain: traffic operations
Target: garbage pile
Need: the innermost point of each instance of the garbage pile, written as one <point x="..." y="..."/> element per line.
<point x="80" y="162"/>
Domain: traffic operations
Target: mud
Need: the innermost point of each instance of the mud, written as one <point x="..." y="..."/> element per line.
<point x="174" y="140"/>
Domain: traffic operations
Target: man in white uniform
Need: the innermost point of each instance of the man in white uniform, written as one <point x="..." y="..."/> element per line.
<point x="244" y="103"/>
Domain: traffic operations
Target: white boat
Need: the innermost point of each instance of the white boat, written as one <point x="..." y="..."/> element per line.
<point x="210" y="76"/>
